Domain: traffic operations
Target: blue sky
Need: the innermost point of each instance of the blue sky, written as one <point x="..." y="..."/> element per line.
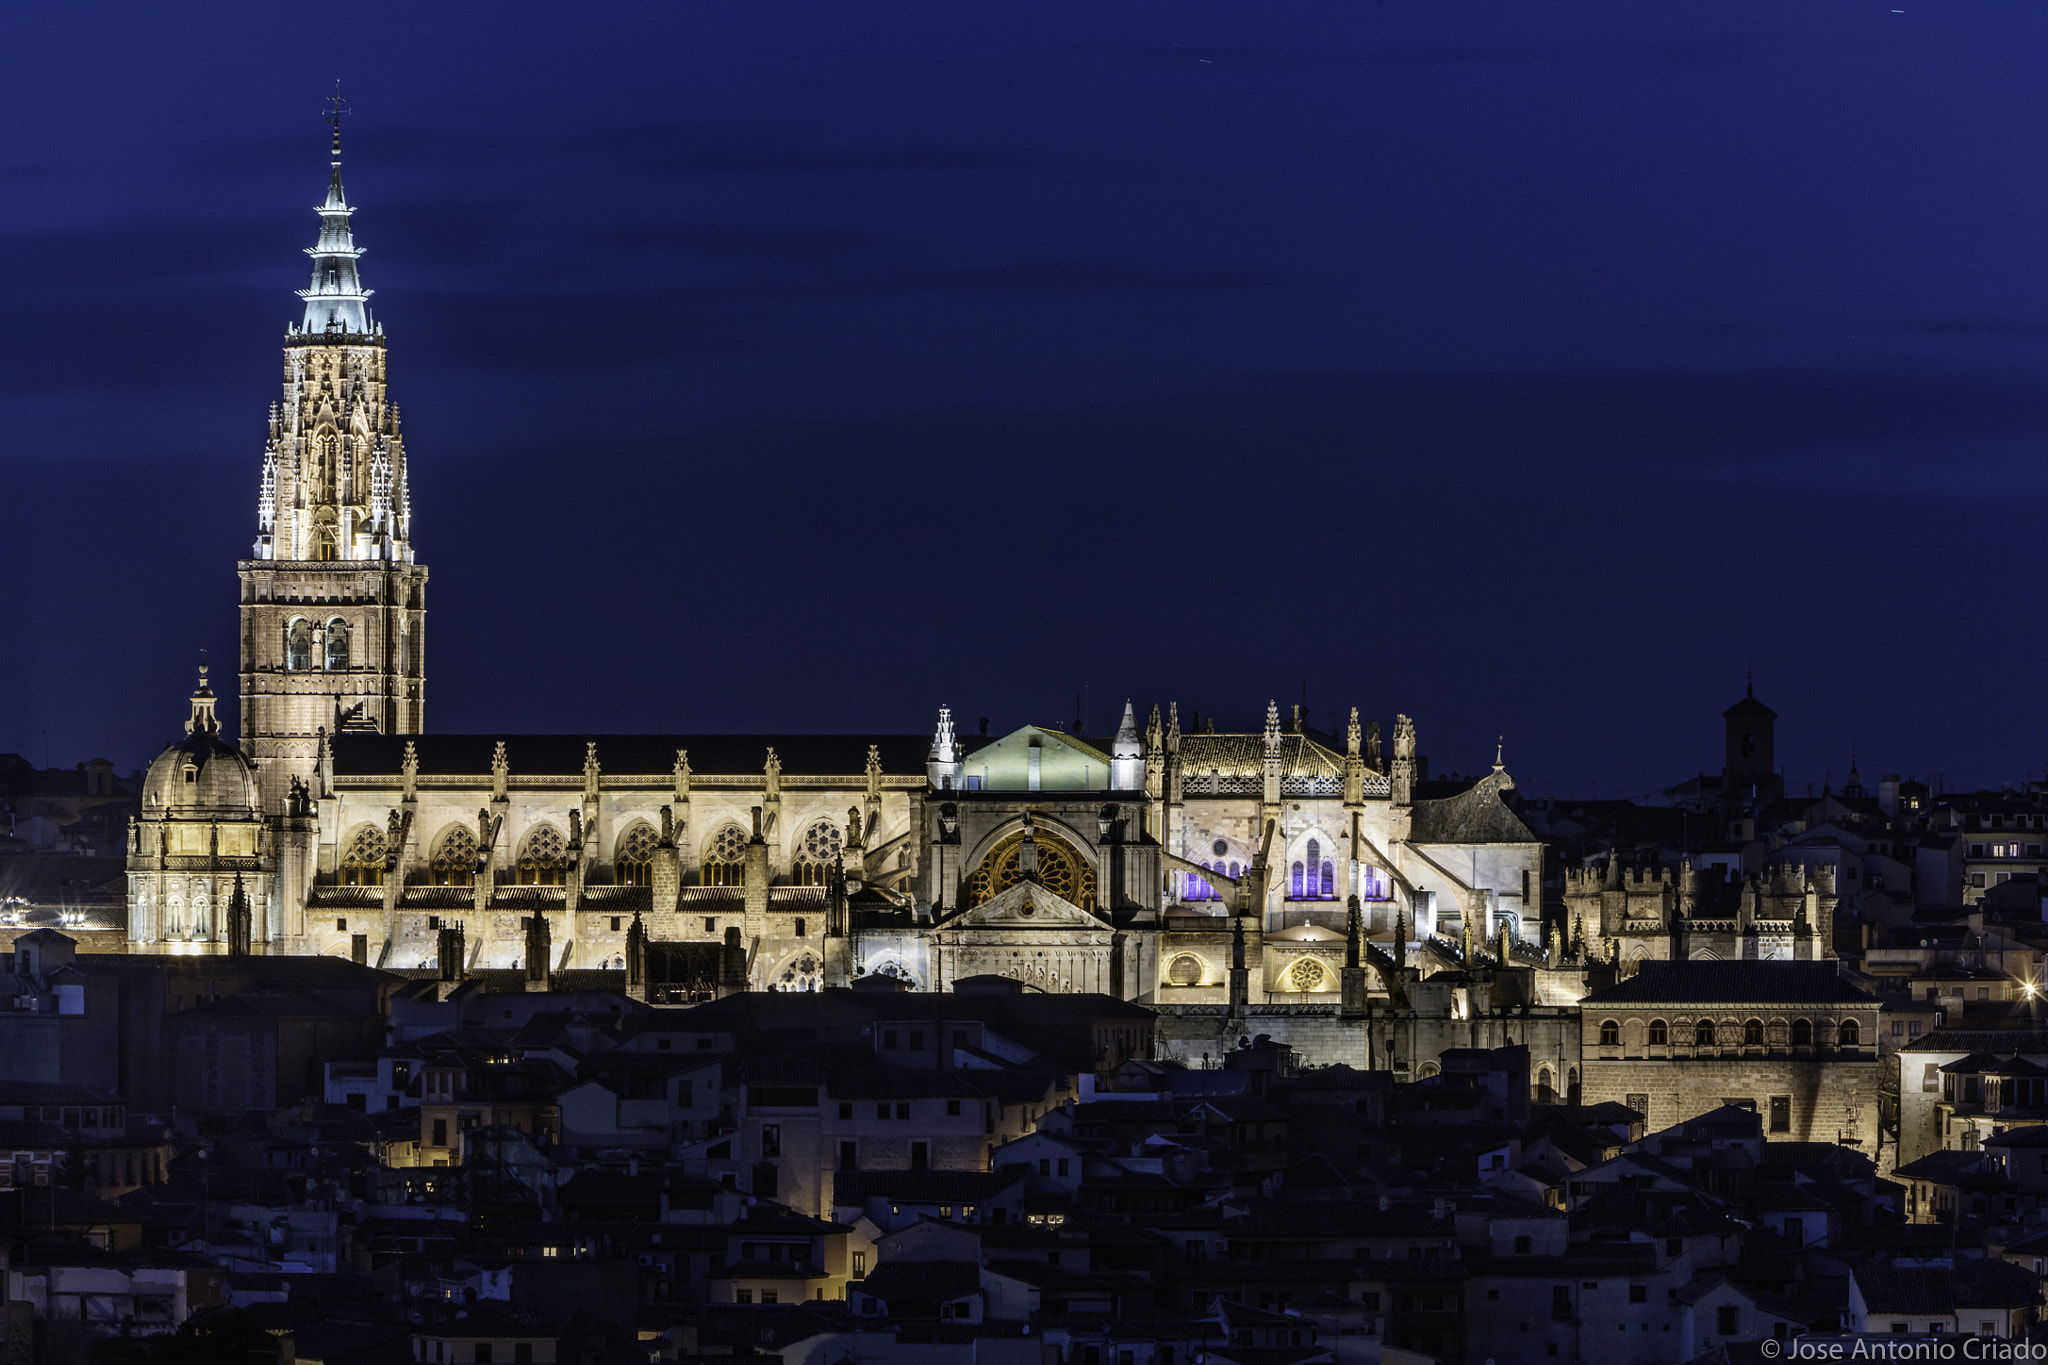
<point x="1534" y="370"/>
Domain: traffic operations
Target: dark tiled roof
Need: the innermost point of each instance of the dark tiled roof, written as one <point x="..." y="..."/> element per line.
<point x="358" y="755"/>
<point x="928" y="1280"/>
<point x="2003" y="1041"/>
<point x="1733" y="983"/>
<point x="1906" y="1290"/>
<point x="920" y="1187"/>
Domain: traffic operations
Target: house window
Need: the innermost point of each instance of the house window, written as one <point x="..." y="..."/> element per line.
<point x="952" y="1109"/>
<point x="1660" y="1033"/>
<point x="1850" y="1034"/>
<point x="1781" y="1113"/>
<point x="1703" y="1033"/>
<point x="1753" y="1033"/>
<point x="1639" y="1293"/>
<point x="1802" y="1033"/>
<point x="771" y="1139"/>
<point x="743" y="1296"/>
<point x="1610" y="1033"/>
<point x="1728" y="1320"/>
<point x="860" y="1265"/>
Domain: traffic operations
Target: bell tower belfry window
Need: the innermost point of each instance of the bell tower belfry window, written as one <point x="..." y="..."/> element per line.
<point x="333" y="531"/>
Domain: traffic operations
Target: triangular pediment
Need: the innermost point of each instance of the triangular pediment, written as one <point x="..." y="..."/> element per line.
<point x="1027" y="905"/>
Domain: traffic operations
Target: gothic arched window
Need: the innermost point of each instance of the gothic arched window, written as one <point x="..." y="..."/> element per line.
<point x="337" y="646"/>
<point x="362" y="861"/>
<point x="725" y="860"/>
<point x="1802" y="1033"/>
<point x="544" y="857"/>
<point x="454" y="860"/>
<point x="1329" y="891"/>
<point x="633" y="862"/>
<point x="1294" y="882"/>
<point x="1374" y="884"/>
<point x="817" y="853"/>
<point x="298" y="645"/>
<point x="202" y="910"/>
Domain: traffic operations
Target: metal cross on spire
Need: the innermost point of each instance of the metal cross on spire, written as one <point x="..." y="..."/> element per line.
<point x="336" y="108"/>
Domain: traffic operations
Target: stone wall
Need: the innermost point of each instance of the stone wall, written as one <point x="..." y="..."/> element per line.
<point x="1831" y="1100"/>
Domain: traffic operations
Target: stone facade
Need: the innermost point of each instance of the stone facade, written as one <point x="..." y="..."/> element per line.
<point x="1659" y="914"/>
<point x="1794" y="1039"/>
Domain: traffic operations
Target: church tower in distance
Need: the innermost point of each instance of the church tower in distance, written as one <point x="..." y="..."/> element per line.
<point x="333" y="604"/>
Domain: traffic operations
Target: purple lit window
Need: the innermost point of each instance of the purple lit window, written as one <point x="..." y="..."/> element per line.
<point x="1294" y="884"/>
<point x="1373" y="885"/>
<point x="1329" y="880"/>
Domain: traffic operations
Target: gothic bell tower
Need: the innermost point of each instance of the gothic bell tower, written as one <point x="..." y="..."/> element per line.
<point x="333" y="603"/>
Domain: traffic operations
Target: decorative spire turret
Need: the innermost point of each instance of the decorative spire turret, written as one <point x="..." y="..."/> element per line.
<point x="202" y="722"/>
<point x="1126" y="754"/>
<point x="943" y="766"/>
<point x="337" y="301"/>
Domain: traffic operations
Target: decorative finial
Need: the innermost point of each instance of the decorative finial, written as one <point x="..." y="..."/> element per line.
<point x="336" y="109"/>
<point x="1500" y="745"/>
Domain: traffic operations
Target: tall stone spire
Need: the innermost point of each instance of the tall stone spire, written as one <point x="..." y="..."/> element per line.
<point x="337" y="301"/>
<point x="332" y="599"/>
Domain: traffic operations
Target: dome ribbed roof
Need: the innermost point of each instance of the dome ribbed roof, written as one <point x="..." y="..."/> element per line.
<point x="222" y="782"/>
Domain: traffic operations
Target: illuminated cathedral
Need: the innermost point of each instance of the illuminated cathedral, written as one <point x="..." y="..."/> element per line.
<point x="1166" y="866"/>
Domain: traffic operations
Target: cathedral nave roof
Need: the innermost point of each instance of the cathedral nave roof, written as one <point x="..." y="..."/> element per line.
<point x="368" y="755"/>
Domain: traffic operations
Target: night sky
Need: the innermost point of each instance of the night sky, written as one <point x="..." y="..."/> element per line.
<point x="1534" y="369"/>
